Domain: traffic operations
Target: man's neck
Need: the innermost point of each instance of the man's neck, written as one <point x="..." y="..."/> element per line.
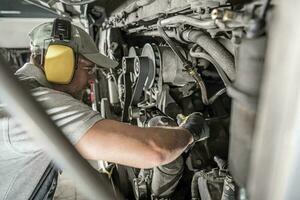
<point x="67" y="89"/>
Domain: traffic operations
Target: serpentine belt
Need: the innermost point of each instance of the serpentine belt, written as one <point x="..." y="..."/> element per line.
<point x="141" y="66"/>
<point x="128" y="67"/>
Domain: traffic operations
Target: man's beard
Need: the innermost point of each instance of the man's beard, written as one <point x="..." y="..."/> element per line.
<point x="74" y="91"/>
<point x="78" y="95"/>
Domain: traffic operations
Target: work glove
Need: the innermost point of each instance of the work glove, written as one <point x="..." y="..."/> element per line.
<point x="195" y="124"/>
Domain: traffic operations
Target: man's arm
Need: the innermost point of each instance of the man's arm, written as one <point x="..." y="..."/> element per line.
<point x="133" y="146"/>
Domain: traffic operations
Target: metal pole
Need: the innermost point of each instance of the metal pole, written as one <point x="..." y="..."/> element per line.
<point x="275" y="159"/>
<point x="36" y="122"/>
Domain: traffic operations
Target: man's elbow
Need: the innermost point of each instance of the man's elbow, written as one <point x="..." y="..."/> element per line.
<point x="157" y="158"/>
<point x="164" y="153"/>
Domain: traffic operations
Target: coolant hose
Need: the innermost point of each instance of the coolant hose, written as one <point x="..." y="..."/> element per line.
<point x="213" y="48"/>
<point x="207" y="57"/>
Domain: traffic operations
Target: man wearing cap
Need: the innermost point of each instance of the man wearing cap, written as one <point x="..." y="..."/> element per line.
<point x="28" y="173"/>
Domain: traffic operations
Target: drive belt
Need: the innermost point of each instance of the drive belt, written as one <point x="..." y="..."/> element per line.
<point x="128" y="68"/>
<point x="140" y="67"/>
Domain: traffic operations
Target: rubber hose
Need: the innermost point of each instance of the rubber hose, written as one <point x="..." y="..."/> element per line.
<point x="213" y="48"/>
<point x="207" y="57"/>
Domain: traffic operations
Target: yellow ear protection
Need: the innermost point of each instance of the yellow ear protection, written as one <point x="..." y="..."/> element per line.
<point x="59" y="59"/>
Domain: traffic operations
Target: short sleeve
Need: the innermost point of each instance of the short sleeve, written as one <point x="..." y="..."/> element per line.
<point x="72" y="116"/>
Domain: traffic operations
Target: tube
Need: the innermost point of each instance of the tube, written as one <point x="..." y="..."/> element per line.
<point x="182" y="19"/>
<point x="213" y="48"/>
<point x="216" y="95"/>
<point x="154" y="33"/>
<point x="213" y="62"/>
<point x="202" y="86"/>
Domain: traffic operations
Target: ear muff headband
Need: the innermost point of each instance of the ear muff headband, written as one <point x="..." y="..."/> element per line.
<point x="59" y="58"/>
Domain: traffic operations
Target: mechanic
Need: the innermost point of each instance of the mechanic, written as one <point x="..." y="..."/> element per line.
<point x="26" y="171"/>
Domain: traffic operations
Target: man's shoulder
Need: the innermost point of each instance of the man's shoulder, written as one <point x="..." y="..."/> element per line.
<point x="46" y="91"/>
<point x="73" y="116"/>
<point x="52" y="98"/>
<point x="32" y="76"/>
<point x="34" y="79"/>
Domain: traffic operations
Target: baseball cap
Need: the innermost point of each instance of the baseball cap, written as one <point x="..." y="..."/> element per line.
<point x="40" y="38"/>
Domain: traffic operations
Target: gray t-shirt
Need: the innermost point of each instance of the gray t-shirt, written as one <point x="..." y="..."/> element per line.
<point x="22" y="162"/>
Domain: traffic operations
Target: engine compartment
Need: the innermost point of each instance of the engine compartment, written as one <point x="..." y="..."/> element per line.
<point x="179" y="57"/>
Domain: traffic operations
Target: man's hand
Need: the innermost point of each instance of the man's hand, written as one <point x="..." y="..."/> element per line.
<point x="196" y="125"/>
